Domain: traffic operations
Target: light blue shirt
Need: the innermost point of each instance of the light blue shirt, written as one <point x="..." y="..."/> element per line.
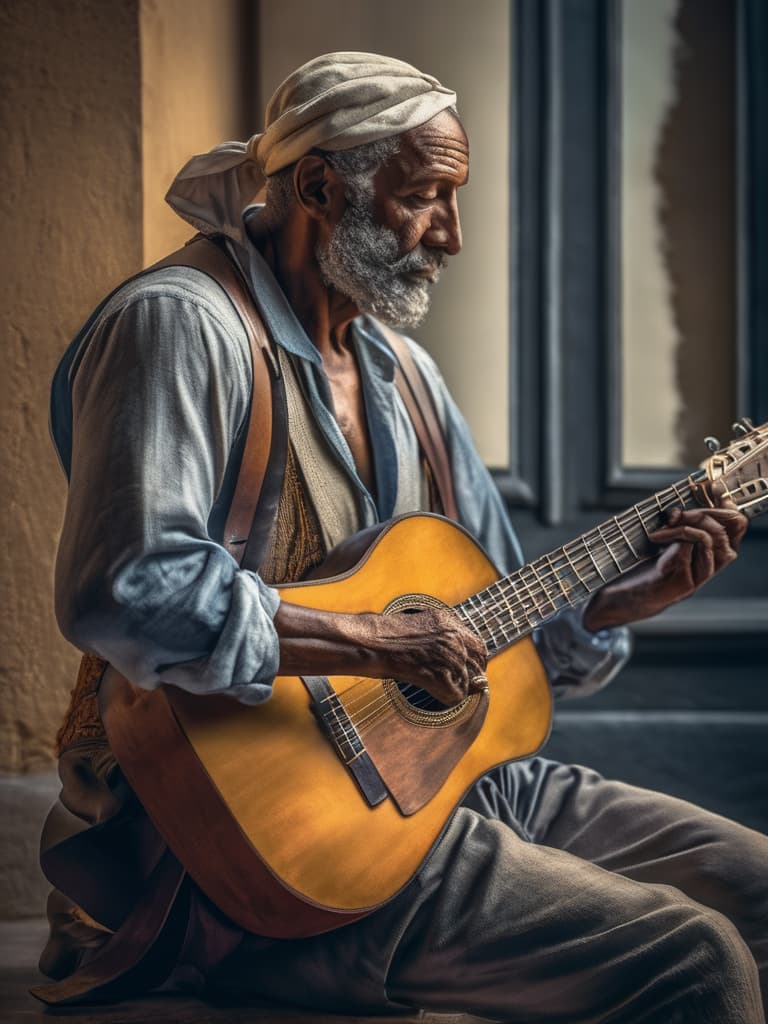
<point x="147" y="406"/>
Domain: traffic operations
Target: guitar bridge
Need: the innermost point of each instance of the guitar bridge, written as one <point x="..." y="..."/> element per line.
<point x="332" y="716"/>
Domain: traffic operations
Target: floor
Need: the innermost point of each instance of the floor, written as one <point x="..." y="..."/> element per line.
<point x="20" y="944"/>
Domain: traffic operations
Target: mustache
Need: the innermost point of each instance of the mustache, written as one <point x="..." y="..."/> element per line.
<point x="420" y="258"/>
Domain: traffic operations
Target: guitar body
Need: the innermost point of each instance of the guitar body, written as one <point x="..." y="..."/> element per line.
<point x="257" y="802"/>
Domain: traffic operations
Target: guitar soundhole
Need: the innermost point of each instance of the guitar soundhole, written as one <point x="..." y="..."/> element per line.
<point x="414" y="702"/>
<point x="420" y="699"/>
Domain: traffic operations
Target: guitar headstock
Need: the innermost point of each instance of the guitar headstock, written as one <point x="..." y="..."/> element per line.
<point x="738" y="470"/>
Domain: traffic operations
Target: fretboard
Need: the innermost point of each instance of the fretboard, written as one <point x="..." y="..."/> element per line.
<point x="514" y="606"/>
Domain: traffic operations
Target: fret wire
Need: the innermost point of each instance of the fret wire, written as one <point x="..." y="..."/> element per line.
<point x="525" y="608"/>
<point x="501" y="586"/>
<point x="629" y="519"/>
<point x="564" y="549"/>
<point x="532" y="566"/>
<point x="668" y="501"/>
<point x="627" y="541"/>
<point x="534" y="588"/>
<point x="492" y="604"/>
<point x="585" y="542"/>
<point x="503" y="593"/>
<point x="677" y="492"/>
<point x="554" y="572"/>
<point x="607" y="543"/>
<point x="530" y="587"/>
<point x="528" y="626"/>
<point x="462" y="612"/>
<point x="500" y="626"/>
<point x="642" y="521"/>
<point x="652" y="506"/>
<point x="477" y="619"/>
<point x="524" y="603"/>
<point x="499" y="598"/>
<point x="509" y="584"/>
<point x="565" y="592"/>
<point x="594" y="554"/>
<point x="479" y="609"/>
<point x="488" y="626"/>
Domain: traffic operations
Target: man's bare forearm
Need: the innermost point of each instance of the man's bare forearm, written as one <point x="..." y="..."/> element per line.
<point x="313" y="641"/>
<point x="430" y="648"/>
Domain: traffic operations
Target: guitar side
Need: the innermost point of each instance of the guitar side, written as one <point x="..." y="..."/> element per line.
<point x="283" y="781"/>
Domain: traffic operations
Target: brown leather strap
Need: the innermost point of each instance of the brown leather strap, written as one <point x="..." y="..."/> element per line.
<point x="421" y="409"/>
<point x="263" y="461"/>
<point x="141" y="953"/>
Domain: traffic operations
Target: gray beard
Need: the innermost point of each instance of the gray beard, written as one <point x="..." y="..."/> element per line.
<point x="362" y="261"/>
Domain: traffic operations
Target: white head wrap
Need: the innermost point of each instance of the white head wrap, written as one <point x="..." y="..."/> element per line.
<point x="334" y="102"/>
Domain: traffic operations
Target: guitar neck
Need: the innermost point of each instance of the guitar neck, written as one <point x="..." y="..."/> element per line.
<point x="514" y="606"/>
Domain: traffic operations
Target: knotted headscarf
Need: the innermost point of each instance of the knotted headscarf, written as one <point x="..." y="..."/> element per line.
<point x="334" y="102"/>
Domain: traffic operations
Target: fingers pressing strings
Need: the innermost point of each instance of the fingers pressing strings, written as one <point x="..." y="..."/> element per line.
<point x="702" y="542"/>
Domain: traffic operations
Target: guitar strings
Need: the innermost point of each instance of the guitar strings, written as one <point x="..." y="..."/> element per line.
<point x="489" y="610"/>
<point x="494" y="601"/>
<point x="478" y="617"/>
<point x="381" y="706"/>
<point x="505" y="599"/>
<point x="579" y="555"/>
<point x="561" y="568"/>
<point x="361" y="712"/>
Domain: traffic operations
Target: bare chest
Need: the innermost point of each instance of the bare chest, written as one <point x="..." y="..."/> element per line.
<point x="349" y="410"/>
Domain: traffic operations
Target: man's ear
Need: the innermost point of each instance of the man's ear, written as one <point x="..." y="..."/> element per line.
<point x="319" y="188"/>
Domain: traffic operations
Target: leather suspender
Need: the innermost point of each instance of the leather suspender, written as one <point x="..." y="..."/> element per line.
<point x="256" y="496"/>
<point x="421" y="409"/>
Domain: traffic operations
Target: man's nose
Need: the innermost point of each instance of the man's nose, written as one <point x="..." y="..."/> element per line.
<point x="445" y="229"/>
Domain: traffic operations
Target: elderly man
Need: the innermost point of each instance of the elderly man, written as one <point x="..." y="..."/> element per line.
<point x="553" y="895"/>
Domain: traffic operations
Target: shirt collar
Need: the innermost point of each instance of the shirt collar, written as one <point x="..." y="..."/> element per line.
<point x="282" y="323"/>
<point x="377" y="346"/>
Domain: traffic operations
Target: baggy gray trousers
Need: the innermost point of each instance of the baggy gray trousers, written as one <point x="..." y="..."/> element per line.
<point x="555" y="895"/>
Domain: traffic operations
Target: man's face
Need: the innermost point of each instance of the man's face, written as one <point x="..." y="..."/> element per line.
<point x="388" y="248"/>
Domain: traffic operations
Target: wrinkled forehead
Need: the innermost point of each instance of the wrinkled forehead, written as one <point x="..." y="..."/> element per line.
<point x="439" y="147"/>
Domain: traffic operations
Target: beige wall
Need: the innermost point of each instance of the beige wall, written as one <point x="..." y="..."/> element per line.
<point x="71" y="206"/>
<point x="101" y="103"/>
<point x="466" y="46"/>
<point x="195" y="93"/>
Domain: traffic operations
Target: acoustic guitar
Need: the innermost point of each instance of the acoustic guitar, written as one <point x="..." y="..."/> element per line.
<point x="313" y="809"/>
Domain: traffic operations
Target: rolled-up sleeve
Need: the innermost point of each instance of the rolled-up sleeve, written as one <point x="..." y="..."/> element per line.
<point x="160" y="392"/>
<point x="577" y="661"/>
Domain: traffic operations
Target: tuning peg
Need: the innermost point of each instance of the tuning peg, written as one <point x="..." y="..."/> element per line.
<point x="743" y="426"/>
<point x="712" y="444"/>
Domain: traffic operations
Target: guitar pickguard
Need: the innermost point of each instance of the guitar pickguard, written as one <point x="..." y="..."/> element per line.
<point x="415" y="752"/>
